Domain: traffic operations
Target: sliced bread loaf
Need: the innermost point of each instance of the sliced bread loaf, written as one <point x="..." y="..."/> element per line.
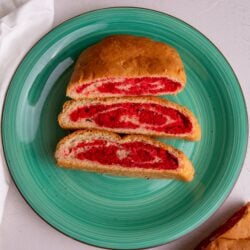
<point x="126" y="65"/>
<point x="131" y="115"/>
<point x="132" y="155"/>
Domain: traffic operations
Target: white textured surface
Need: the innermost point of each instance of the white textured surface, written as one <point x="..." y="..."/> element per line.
<point x="227" y="24"/>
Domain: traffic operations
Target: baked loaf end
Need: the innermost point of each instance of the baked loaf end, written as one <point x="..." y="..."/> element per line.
<point x="233" y="234"/>
<point x="120" y="57"/>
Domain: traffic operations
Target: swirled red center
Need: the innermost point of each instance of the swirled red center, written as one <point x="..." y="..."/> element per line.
<point x="127" y="154"/>
<point x="130" y="86"/>
<point x="149" y="116"/>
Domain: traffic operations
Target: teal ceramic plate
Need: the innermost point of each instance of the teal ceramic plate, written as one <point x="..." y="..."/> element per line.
<point x="116" y="212"/>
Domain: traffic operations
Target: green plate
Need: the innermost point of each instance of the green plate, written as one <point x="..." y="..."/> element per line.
<point x="116" y="212"/>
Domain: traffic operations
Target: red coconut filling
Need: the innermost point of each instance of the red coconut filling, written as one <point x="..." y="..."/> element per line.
<point x="222" y="229"/>
<point x="148" y="116"/>
<point x="129" y="154"/>
<point x="130" y="86"/>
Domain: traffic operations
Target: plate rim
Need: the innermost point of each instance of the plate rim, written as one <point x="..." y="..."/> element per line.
<point x="202" y="220"/>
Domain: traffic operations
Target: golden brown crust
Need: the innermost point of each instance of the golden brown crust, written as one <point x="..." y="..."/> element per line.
<point x="237" y="237"/>
<point x="195" y="135"/>
<point x="184" y="172"/>
<point x="127" y="56"/>
<point x="241" y="230"/>
<point x="227" y="244"/>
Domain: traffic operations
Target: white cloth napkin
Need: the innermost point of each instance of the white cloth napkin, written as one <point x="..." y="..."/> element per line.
<point x="22" y="23"/>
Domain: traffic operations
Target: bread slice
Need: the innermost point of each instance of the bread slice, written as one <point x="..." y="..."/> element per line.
<point x="137" y="115"/>
<point x="233" y="234"/>
<point x="132" y="155"/>
<point x="126" y="65"/>
<point x="228" y="244"/>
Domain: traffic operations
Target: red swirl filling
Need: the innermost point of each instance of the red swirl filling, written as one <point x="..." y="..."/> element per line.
<point x="128" y="154"/>
<point x="130" y="86"/>
<point x="148" y="116"/>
